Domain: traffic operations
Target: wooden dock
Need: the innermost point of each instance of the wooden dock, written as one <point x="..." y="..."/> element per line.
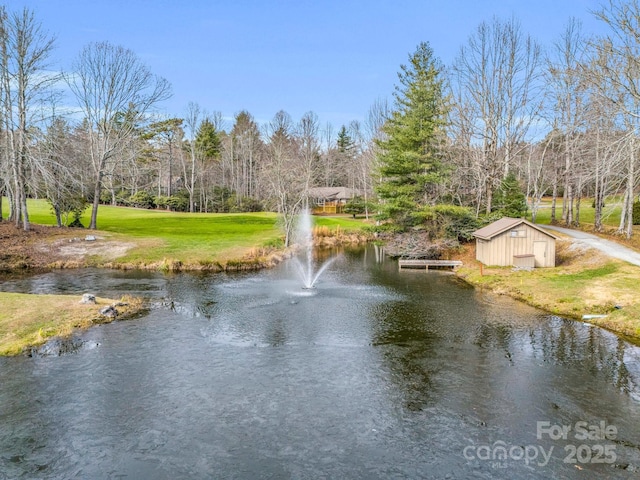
<point x="427" y="264"/>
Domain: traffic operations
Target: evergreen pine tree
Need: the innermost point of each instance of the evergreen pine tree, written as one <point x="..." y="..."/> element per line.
<point x="509" y="200"/>
<point x="344" y="142"/>
<point x="410" y="165"/>
<point x="208" y="141"/>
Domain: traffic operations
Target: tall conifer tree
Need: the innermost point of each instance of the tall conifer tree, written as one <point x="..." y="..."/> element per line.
<point x="410" y="161"/>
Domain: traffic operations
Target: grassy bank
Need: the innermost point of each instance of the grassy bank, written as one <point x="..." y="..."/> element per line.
<point x="584" y="282"/>
<point x="133" y="238"/>
<point x="176" y="241"/>
<point x="30" y="320"/>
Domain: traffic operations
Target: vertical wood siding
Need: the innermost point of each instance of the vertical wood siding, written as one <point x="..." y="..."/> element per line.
<point x="500" y="249"/>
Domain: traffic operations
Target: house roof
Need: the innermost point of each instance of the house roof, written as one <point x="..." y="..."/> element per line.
<point x="332" y="193"/>
<point x="504" y="224"/>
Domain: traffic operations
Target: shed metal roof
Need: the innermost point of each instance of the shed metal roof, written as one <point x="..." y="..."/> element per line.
<point x="504" y="224"/>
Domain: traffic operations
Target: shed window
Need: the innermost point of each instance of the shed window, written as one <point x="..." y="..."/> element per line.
<point x="518" y="233"/>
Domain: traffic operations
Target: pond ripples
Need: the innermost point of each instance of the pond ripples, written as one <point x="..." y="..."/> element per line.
<point x="373" y="373"/>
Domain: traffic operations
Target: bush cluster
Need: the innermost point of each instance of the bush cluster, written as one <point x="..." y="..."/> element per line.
<point x="636" y="213"/>
<point x="221" y="200"/>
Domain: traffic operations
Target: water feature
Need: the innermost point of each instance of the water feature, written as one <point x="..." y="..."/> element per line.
<point x="304" y="238"/>
<point x="374" y="374"/>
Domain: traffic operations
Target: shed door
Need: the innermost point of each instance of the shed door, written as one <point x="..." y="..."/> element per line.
<point x="540" y="253"/>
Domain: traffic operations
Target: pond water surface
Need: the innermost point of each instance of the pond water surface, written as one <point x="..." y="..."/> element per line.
<point x="373" y="374"/>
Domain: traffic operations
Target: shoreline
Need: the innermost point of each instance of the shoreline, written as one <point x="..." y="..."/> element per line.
<point x="27" y="331"/>
<point x="625" y="333"/>
<point x="532" y="288"/>
<point x="585" y="282"/>
<point x="29" y="322"/>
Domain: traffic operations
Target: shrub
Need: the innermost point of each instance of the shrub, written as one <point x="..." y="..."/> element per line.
<point x="274" y="243"/>
<point x="161" y="201"/>
<point x="459" y="223"/>
<point x="142" y="199"/>
<point x="488" y="218"/>
<point x="249" y="204"/>
<point x="105" y="197"/>
<point x="448" y="221"/>
<point x="219" y="200"/>
<point x="176" y="203"/>
<point x="75" y="207"/>
<point x="121" y="197"/>
<point x="355" y="206"/>
<point x="384" y="228"/>
<point x="636" y="213"/>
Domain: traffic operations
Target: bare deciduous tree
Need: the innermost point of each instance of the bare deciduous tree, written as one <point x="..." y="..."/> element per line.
<point x="24" y="52"/>
<point x="496" y="80"/>
<point x="309" y="148"/>
<point x="619" y="79"/>
<point x="566" y="85"/>
<point x="284" y="172"/>
<point x="114" y="90"/>
<point x="243" y="153"/>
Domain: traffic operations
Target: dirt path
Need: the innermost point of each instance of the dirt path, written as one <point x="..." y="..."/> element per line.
<point x="45" y="246"/>
<point x="606" y="246"/>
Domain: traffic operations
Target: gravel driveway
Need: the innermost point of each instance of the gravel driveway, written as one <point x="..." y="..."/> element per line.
<point x="606" y="246"/>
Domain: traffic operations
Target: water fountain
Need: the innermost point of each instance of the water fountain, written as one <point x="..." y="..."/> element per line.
<point x="304" y="238"/>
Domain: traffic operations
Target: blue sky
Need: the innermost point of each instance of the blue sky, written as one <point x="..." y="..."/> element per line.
<point x="332" y="57"/>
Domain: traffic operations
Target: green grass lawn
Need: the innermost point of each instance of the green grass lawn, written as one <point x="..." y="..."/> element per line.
<point x="156" y="239"/>
<point x="584" y="283"/>
<point x="610" y="217"/>
<point x="189" y="238"/>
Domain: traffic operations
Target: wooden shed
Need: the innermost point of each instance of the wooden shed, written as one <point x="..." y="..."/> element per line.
<point x="515" y="241"/>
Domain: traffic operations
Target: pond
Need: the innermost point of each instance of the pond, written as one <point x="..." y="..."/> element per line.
<point x="375" y="373"/>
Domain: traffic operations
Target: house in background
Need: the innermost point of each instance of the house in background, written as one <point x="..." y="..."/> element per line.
<point x="329" y="199"/>
<point x="516" y="242"/>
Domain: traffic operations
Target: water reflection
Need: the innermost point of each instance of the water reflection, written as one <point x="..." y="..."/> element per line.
<point x="376" y="373"/>
<point x="571" y="343"/>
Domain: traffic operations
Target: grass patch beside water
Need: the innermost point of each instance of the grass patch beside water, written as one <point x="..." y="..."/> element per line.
<point x="131" y="237"/>
<point x="164" y="238"/>
<point x="30" y="320"/>
<point x="568" y="280"/>
<point x="584" y="282"/>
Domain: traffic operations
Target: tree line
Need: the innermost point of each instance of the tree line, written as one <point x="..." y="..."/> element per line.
<point x="508" y="123"/>
<point x="504" y="125"/>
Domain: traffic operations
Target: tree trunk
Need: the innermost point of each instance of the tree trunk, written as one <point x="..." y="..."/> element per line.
<point x="96" y="201"/>
<point x="623" y="212"/>
<point x="192" y="184"/>
<point x="554" y="200"/>
<point x="568" y="207"/>
<point x="169" y="192"/>
<point x="26" y="226"/>
<point x="598" y="200"/>
<point x="56" y="211"/>
<point x="626" y="219"/>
